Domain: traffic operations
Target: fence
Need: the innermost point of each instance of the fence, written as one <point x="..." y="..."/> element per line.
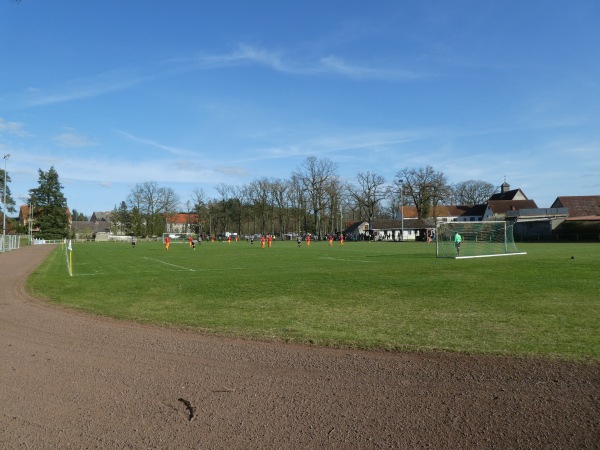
<point x="9" y="242"/>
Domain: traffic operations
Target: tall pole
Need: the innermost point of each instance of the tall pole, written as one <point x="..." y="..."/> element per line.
<point x="402" y="206"/>
<point x="30" y="224"/>
<point x="4" y="208"/>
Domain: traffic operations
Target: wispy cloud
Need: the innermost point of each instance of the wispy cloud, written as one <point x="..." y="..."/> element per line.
<point x="82" y="88"/>
<point x="74" y="140"/>
<point x="337" y="65"/>
<point x="279" y="61"/>
<point x="121" y="79"/>
<point x="343" y="143"/>
<point x="170" y="149"/>
<point x="14" y="128"/>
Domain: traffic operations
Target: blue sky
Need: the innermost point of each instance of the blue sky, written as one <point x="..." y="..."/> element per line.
<point x="193" y="94"/>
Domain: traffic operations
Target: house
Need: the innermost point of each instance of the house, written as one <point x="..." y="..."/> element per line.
<point x="583" y="218"/>
<point x="507" y="194"/>
<point x="356" y="231"/>
<point x="507" y="200"/>
<point x="458" y="213"/>
<point x="495" y="208"/>
<point x="414" y="229"/>
<point x="498" y="205"/>
<point x="181" y="223"/>
<point x="586" y="207"/>
<point x="26" y="216"/>
<point x="100" y="216"/>
<point x="85" y="229"/>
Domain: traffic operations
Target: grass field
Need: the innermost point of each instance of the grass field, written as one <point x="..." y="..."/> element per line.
<point x="395" y="296"/>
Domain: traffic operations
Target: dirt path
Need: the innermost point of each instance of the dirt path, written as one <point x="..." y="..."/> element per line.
<point x="69" y="380"/>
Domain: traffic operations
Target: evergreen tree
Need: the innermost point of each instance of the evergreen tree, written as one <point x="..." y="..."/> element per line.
<point x="121" y="218"/>
<point x="10" y="202"/>
<point x="49" y="206"/>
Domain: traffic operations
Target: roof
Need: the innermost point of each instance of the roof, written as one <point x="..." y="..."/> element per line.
<point x="408" y="223"/>
<point x="461" y="210"/>
<point x="579" y="206"/>
<point x="182" y="218"/>
<point x="410" y="212"/>
<point x="513" y="194"/>
<point x="24" y="214"/>
<point x="101" y="216"/>
<point x="353" y="226"/>
<point x="85" y="226"/>
<point x="503" y="206"/>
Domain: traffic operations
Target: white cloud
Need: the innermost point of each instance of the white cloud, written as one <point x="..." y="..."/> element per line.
<point x="14" y="128"/>
<point x="74" y="140"/>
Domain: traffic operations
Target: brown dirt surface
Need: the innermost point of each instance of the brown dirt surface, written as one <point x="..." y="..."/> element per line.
<point x="72" y="380"/>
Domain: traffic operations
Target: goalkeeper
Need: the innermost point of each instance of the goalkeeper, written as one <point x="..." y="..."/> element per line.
<point x="457" y="241"/>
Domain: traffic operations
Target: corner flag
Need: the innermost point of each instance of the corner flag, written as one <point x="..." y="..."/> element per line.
<point x="70" y="260"/>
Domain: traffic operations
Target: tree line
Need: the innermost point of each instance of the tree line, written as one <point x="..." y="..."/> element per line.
<point x="313" y="200"/>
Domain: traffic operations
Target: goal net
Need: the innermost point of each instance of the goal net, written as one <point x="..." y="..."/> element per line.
<point x="475" y="239"/>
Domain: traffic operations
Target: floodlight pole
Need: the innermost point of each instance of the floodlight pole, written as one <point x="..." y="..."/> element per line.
<point x="402" y="207"/>
<point x="4" y="210"/>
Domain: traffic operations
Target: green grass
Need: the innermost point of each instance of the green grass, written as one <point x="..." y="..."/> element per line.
<point x="394" y="296"/>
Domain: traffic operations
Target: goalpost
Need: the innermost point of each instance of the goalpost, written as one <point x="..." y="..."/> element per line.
<point x="479" y="239"/>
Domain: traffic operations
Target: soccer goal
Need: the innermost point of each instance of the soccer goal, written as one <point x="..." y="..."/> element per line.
<point x="476" y="239"/>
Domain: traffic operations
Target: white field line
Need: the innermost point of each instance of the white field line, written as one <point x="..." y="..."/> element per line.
<point x="169" y="264"/>
<point x="342" y="259"/>
<point x="490" y="256"/>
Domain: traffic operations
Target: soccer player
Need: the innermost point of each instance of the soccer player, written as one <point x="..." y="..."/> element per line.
<point x="308" y="240"/>
<point x="341" y="239"/>
<point x="457" y="241"/>
<point x="167" y="242"/>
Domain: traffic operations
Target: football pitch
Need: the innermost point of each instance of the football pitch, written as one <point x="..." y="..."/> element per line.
<point x="392" y="296"/>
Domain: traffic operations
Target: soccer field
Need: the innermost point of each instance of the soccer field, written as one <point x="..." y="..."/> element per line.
<point x="395" y="296"/>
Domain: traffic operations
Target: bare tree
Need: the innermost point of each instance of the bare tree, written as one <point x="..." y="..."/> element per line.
<point x="200" y="207"/>
<point x="154" y="203"/>
<point x="333" y="192"/>
<point x="368" y="193"/>
<point x="472" y="192"/>
<point x="260" y="191"/>
<point x="278" y="194"/>
<point x="314" y="175"/>
<point x="224" y="213"/>
<point x="424" y="187"/>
